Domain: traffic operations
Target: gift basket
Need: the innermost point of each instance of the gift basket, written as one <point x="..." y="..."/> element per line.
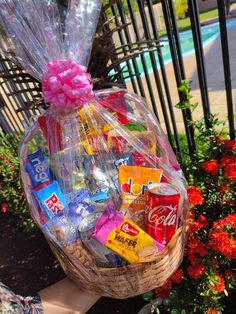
<point x="101" y="180"/>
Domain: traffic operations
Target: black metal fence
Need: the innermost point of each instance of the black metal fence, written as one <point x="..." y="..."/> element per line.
<point x="16" y="92"/>
<point x="156" y="86"/>
<point x="148" y="75"/>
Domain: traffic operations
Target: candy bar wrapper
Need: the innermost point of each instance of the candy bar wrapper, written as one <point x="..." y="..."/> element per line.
<point x="38" y="169"/>
<point x="80" y="207"/>
<point x="89" y="148"/>
<point x="51" y="199"/>
<point x="124" y="237"/>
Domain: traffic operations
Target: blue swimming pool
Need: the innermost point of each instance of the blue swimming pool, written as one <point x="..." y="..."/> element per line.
<point x="209" y="34"/>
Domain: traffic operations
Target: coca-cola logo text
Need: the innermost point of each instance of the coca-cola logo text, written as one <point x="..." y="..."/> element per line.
<point x="162" y="215"/>
<point x="129" y="229"/>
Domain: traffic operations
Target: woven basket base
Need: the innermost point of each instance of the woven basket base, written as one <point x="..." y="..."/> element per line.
<point x="122" y="282"/>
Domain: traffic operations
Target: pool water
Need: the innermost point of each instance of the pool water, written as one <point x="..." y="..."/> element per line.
<point x="209" y="34"/>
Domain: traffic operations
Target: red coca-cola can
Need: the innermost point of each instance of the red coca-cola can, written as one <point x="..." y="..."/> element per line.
<point x="161" y="213"/>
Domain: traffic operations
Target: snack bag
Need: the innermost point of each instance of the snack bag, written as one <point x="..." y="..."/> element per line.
<point x="90" y="149"/>
<point x="133" y="183"/>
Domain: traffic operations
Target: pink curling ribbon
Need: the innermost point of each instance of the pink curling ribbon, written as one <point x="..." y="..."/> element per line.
<point x="66" y="84"/>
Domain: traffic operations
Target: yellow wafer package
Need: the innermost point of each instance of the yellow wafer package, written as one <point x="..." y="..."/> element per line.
<point x="124" y="237"/>
<point x="133" y="183"/>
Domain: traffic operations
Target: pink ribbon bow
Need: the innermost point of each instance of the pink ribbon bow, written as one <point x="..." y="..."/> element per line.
<point x="66" y="84"/>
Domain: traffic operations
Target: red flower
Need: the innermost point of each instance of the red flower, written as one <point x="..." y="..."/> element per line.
<point x="216" y="236"/>
<point x="221" y="237"/>
<point x="219" y="286"/>
<point x="196" y="271"/>
<point x="195" y="250"/>
<point x="167" y="285"/>
<point x="192" y="258"/>
<point x="198" y="224"/>
<point x="229" y="145"/>
<point x="228" y="220"/>
<point x="227" y="201"/>
<point x="230" y="172"/>
<point x="211" y="167"/>
<point x="228" y="274"/>
<point x="4" y="207"/>
<point x="195" y="195"/>
<point x="164" y="291"/>
<point x="223" y="188"/>
<point x="227" y="160"/>
<point x="197" y="247"/>
<point x="214" y="262"/>
<point x="177" y="276"/>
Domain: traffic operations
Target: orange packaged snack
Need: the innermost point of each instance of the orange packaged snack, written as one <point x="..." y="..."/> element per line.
<point x="133" y="183"/>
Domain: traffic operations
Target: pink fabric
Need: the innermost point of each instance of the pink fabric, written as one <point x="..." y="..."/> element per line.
<point x="66" y="84"/>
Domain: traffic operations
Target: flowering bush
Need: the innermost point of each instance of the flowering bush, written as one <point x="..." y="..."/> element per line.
<point x="205" y="275"/>
<point x="12" y="198"/>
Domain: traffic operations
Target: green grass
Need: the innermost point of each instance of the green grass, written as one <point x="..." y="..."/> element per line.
<point x="184" y="24"/>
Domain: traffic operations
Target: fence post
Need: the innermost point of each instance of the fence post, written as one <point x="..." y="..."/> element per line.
<point x="197" y="38"/>
<point x="176" y="54"/>
<point x="226" y="64"/>
<point x="165" y="80"/>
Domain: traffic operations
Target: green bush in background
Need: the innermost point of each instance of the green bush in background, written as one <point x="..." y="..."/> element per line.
<point x="181" y="8"/>
<point x="12" y="198"/>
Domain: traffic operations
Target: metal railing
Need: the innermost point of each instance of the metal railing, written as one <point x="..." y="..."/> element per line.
<point x="157" y="89"/>
<point x="15" y="94"/>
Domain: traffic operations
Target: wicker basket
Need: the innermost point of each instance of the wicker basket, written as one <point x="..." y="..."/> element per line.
<point x="126" y="281"/>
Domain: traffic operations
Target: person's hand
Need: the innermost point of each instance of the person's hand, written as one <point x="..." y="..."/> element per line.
<point x="65" y="297"/>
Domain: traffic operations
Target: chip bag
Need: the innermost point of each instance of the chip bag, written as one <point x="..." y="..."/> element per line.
<point x="90" y="149"/>
<point x="133" y="183"/>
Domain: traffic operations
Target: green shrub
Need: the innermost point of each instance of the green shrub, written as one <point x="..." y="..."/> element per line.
<point x="181" y="8"/>
<point x="12" y="198"/>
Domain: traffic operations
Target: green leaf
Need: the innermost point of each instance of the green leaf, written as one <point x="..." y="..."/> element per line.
<point x="183" y="105"/>
<point x="148" y="296"/>
<point x="182" y="88"/>
<point x="194" y="106"/>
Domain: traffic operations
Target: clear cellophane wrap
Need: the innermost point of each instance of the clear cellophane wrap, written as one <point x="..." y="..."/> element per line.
<point x="92" y="155"/>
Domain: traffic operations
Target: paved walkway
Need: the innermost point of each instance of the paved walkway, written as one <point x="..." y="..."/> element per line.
<point x="215" y="79"/>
